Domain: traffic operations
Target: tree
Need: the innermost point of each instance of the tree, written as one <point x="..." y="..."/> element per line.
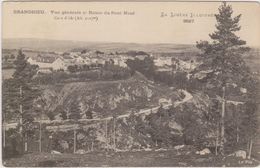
<point x="6" y="58"/>
<point x="9" y="102"/>
<point x="146" y="66"/>
<point x="249" y="124"/>
<point x="19" y="94"/>
<point x="74" y="111"/>
<point x="64" y="115"/>
<point x="99" y="52"/>
<point x="84" y="51"/>
<point x="180" y="80"/>
<point x="89" y="114"/>
<point x="60" y="110"/>
<point x="85" y="67"/>
<point x="73" y="68"/>
<point x="51" y="115"/>
<point x="223" y="57"/>
<point x="12" y="56"/>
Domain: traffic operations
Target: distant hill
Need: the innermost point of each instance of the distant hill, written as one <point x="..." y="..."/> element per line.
<point x="66" y="45"/>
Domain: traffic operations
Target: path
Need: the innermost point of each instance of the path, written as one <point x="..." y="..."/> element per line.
<point x="187" y="97"/>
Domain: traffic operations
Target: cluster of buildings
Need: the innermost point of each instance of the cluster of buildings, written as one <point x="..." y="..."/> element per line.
<point x="53" y="62"/>
<point x="169" y="63"/>
<point x="49" y="62"/>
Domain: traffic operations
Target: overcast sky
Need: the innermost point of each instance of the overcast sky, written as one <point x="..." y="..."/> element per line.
<point x="146" y="26"/>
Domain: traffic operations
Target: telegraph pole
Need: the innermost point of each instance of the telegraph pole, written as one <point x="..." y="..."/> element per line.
<point x="40" y="127"/>
<point x="21" y="110"/>
<point x="114" y="133"/>
<point x="216" y="147"/>
<point x="222" y="131"/>
<point x="21" y="120"/>
<point x="75" y="141"/>
<point x="4" y="129"/>
<point x="237" y="128"/>
<point x="106" y="135"/>
<point x="40" y="138"/>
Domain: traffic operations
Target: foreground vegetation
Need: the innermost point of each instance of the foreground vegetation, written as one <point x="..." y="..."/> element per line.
<point x="170" y="158"/>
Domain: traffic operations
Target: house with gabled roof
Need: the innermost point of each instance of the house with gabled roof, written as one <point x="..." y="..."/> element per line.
<point x="47" y="62"/>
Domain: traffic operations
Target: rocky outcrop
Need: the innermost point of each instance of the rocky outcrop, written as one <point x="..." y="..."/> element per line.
<point x="106" y="98"/>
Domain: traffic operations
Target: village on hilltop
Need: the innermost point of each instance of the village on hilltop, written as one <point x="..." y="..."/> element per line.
<point x="49" y="62"/>
<point x="58" y="61"/>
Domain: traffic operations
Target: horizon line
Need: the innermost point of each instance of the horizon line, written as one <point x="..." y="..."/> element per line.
<point x="35" y="38"/>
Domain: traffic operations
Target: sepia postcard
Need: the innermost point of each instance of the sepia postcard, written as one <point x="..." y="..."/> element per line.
<point x="130" y="84"/>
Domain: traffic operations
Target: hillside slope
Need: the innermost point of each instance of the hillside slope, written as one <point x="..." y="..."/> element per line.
<point x="107" y="98"/>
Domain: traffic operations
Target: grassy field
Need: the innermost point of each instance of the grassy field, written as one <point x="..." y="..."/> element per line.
<point x="134" y="159"/>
